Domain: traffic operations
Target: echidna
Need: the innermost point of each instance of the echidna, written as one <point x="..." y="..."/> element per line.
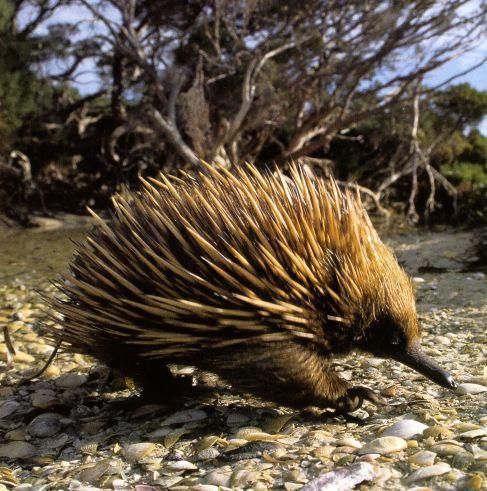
<point x="256" y="277"/>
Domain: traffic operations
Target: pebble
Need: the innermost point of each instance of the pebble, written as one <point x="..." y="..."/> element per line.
<point x="406" y="429"/>
<point x="384" y="445"/>
<point x="427" y="472"/>
<point x="464" y="389"/>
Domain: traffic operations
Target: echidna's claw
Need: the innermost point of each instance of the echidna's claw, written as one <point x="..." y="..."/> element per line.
<point x="354" y="399"/>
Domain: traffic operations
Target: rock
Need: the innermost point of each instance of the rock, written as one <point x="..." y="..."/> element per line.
<point x="17" y="450"/>
<point x="427" y="472"/>
<point x="384" y="445"/>
<point x="464" y="389"/>
<point x="44" y="425"/>
<point x="423" y="457"/>
<point x="406" y="429"/>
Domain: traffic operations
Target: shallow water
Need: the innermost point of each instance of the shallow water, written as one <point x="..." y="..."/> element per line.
<point x="35" y="255"/>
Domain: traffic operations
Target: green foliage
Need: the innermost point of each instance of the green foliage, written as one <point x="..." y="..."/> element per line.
<point x="24" y="96"/>
<point x="465" y="172"/>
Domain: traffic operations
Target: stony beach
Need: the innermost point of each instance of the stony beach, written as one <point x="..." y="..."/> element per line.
<point x="75" y="428"/>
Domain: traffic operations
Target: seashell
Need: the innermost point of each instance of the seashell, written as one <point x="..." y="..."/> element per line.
<point x="406" y="429"/>
<point x="71" y="380"/>
<point x="219" y="477"/>
<point x="446" y="449"/>
<point x="235" y="419"/>
<point x="17" y="450"/>
<point x="135" y="452"/>
<point x="464" y="389"/>
<point x="207" y="454"/>
<point x="43" y="398"/>
<point x="186" y="416"/>
<point x="427" y="472"/>
<point x="438" y="432"/>
<point x="275" y="425"/>
<point x="172" y="438"/>
<point x="344" y="478"/>
<point x="94" y="473"/>
<point x="349" y="441"/>
<point x="44" y="425"/>
<point x="423" y="457"/>
<point x="8" y="408"/>
<point x="384" y="445"/>
<point x="205" y="442"/>
<point x="472" y="434"/>
<point x="243" y="478"/>
<point x="181" y="465"/>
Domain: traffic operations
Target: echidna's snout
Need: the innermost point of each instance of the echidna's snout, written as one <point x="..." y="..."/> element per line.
<point x="414" y="358"/>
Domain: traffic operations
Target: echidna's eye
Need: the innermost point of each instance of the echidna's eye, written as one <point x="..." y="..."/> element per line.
<point x="395" y="340"/>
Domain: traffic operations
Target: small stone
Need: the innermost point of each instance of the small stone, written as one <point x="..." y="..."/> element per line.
<point x="417" y="279"/>
<point x="384" y="445"/>
<point x="44" y="425"/>
<point x="427" y="472"/>
<point x="17" y="450"/>
<point x="464" y="389"/>
<point x="406" y="428"/>
<point x="423" y="457"/>
<point x="71" y="380"/>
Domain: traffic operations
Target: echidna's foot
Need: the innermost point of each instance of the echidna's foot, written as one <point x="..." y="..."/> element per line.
<point x="354" y="398"/>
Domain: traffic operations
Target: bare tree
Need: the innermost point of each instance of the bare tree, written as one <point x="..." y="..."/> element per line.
<point x="270" y="80"/>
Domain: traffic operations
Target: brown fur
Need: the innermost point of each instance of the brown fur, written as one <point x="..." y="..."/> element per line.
<point x="252" y="276"/>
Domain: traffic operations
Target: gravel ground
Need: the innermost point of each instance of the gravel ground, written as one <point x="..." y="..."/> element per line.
<point x="71" y="429"/>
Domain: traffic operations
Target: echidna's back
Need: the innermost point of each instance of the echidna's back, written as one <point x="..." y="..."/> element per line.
<point x="210" y="262"/>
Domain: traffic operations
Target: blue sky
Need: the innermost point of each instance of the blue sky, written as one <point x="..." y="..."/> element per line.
<point x="87" y="80"/>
